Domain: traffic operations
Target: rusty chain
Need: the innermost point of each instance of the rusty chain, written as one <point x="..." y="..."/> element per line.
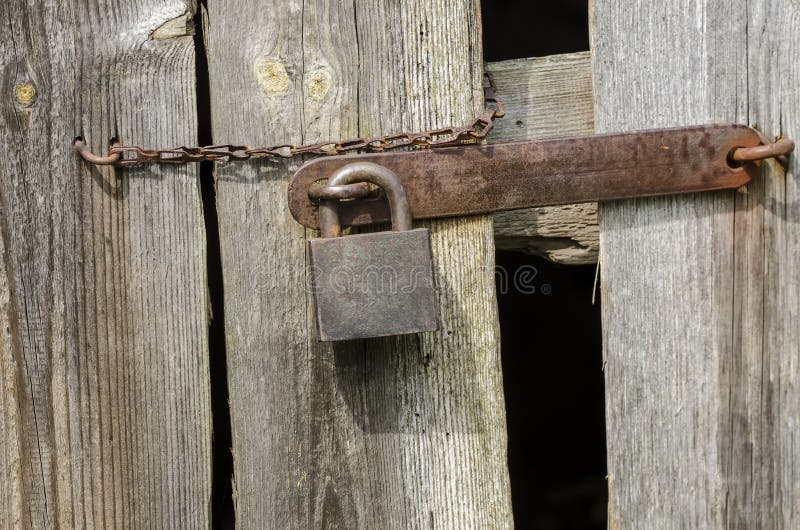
<point x="130" y="155"/>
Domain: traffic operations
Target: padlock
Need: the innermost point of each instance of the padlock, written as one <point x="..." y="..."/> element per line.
<point x="373" y="284"/>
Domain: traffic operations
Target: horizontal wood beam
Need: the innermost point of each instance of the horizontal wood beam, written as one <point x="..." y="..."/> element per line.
<point x="544" y="98"/>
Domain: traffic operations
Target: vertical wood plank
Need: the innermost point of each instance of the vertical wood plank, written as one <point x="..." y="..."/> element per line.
<point x="104" y="398"/>
<point x="425" y="414"/>
<point x="768" y="218"/>
<point x="255" y="71"/>
<point x="401" y="432"/>
<point x="700" y="293"/>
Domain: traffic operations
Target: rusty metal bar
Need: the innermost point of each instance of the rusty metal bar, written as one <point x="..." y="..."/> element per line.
<point x="488" y="178"/>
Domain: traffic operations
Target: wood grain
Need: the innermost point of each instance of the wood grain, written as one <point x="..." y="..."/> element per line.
<point x="104" y="396"/>
<point x="392" y="433"/>
<point x="547" y="97"/>
<point x="255" y="70"/>
<point x="700" y="293"/>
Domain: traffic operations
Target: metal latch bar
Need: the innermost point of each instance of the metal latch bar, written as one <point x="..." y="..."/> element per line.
<point x="482" y="179"/>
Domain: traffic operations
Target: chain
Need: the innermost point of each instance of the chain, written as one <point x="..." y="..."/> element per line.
<point x="131" y="155"/>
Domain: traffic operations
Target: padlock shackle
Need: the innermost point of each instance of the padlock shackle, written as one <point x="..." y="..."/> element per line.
<point x="373" y="173"/>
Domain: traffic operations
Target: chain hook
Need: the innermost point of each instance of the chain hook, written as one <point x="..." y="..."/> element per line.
<point x="82" y="149"/>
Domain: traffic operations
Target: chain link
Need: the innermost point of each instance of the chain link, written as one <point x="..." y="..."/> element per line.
<point x="131" y="155"/>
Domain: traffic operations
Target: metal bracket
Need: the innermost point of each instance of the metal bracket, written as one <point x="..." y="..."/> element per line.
<point x="471" y="180"/>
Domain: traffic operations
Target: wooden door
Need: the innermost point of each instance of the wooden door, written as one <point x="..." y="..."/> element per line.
<point x="105" y="392"/>
<point x="104" y="358"/>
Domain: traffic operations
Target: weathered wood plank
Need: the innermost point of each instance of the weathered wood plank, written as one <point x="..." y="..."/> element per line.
<point x="256" y="72"/>
<point x="544" y="97"/>
<point x="701" y="294"/>
<point x="104" y="398"/>
<point x="432" y="452"/>
<point x="547" y="97"/>
<point x="393" y="433"/>
<point x="765" y="410"/>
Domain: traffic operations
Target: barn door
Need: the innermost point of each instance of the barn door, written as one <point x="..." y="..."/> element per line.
<point x="110" y="343"/>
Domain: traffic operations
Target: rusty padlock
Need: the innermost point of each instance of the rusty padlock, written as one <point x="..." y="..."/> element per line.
<point x="375" y="284"/>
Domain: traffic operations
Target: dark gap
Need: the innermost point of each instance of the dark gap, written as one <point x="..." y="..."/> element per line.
<point x="550" y="331"/>
<point x="222" y="512"/>
<point x="514" y="29"/>
<point x="553" y="380"/>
